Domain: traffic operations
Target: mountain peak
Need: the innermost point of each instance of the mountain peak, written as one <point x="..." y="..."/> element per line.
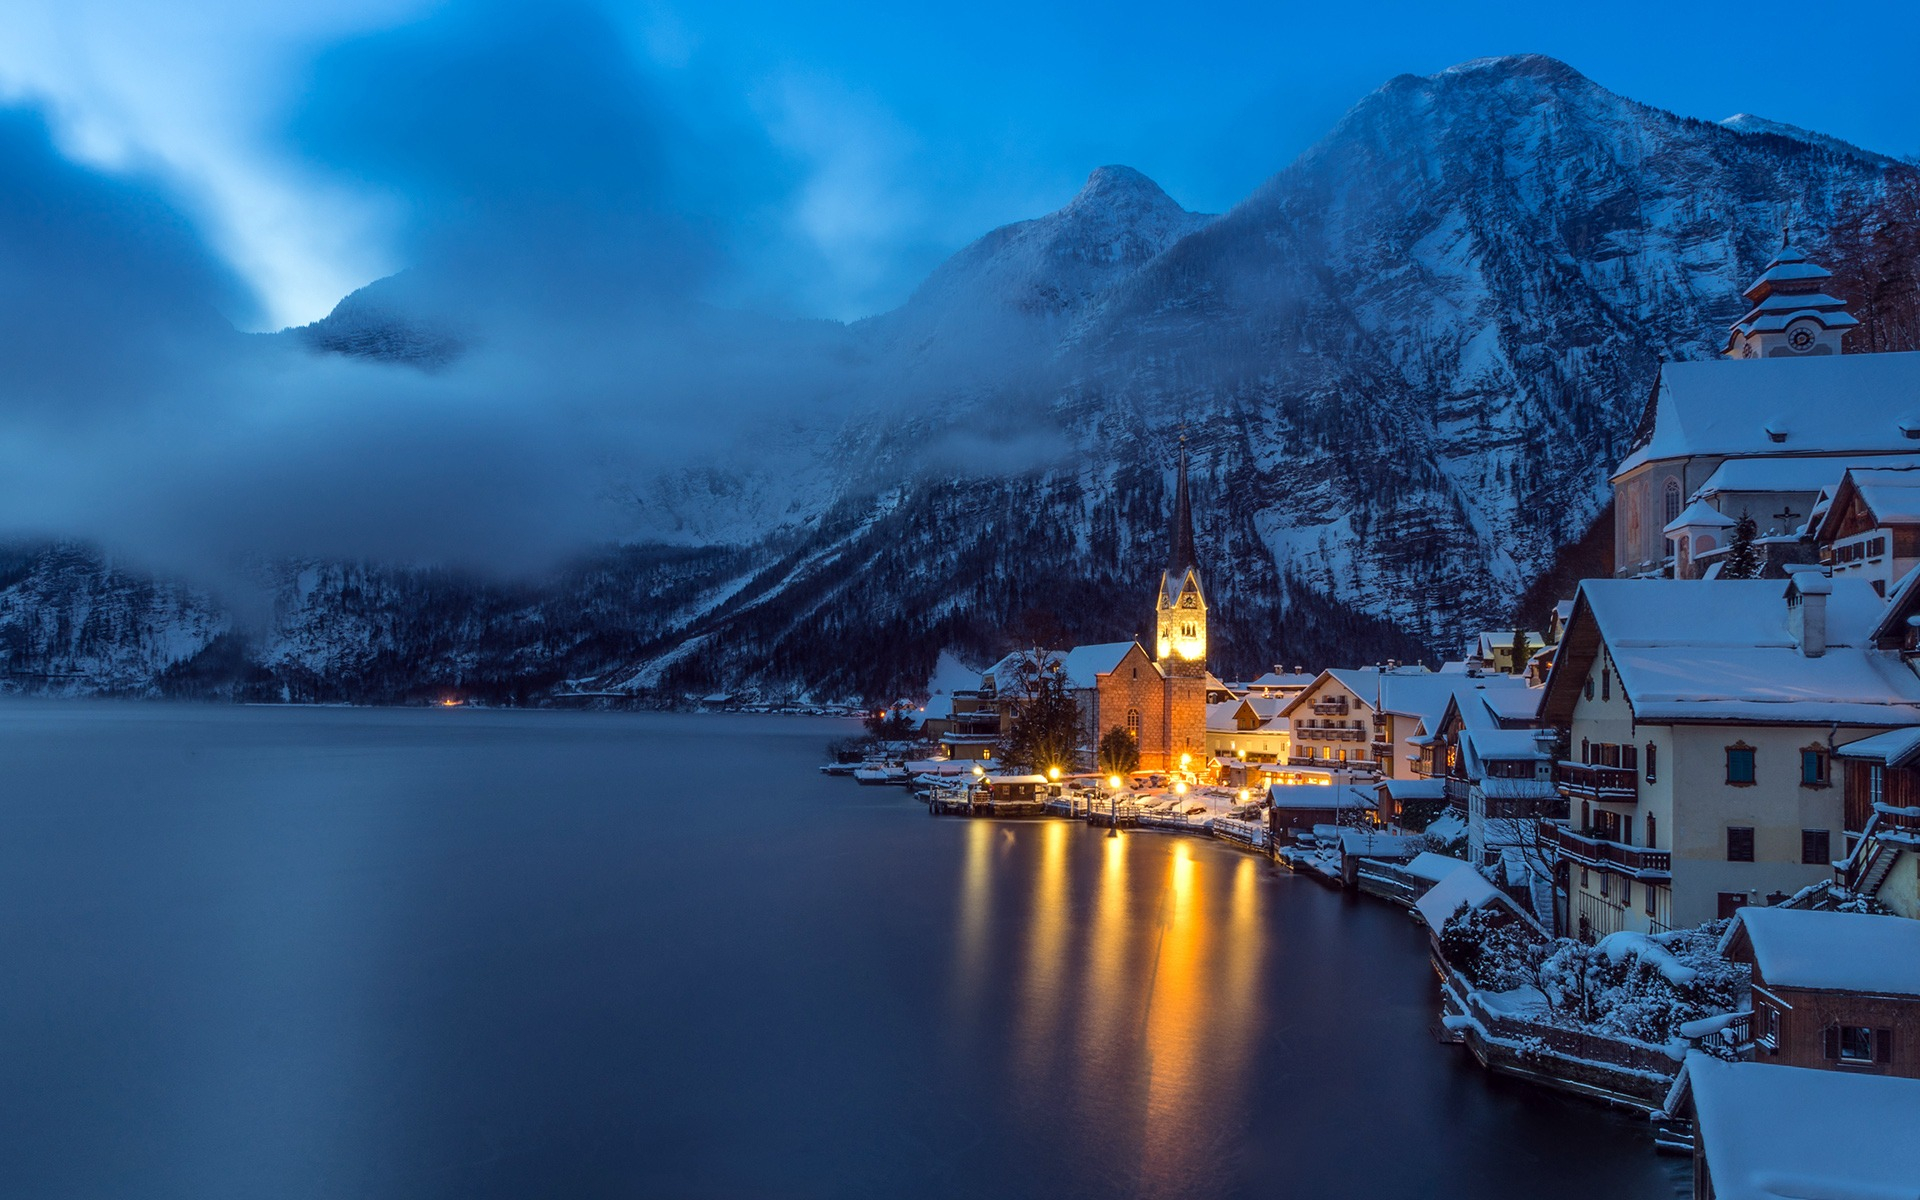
<point x="1751" y="124"/>
<point x="1515" y="66"/>
<point x="1115" y="181"/>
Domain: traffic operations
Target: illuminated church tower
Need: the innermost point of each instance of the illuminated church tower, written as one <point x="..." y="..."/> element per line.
<point x="1180" y="641"/>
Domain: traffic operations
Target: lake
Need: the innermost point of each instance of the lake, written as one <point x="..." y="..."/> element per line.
<point x="257" y="952"/>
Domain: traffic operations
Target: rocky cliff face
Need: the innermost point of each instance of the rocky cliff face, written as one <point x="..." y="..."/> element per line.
<point x="1404" y="365"/>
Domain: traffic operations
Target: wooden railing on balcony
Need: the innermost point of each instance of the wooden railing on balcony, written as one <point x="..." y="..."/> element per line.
<point x="1598" y="852"/>
<point x="1590" y="781"/>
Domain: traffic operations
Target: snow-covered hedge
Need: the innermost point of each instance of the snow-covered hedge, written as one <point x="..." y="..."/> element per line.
<point x="1629" y="985"/>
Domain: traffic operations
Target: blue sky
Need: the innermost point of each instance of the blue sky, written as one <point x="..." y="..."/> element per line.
<point x="801" y="159"/>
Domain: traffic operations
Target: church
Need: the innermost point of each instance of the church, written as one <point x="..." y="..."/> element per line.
<point x="1160" y="699"/>
<point x="1768" y="430"/>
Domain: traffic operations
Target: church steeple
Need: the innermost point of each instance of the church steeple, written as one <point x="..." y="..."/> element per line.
<point x="1182" y="558"/>
<point x="1180" y="616"/>
<point x="1791" y="316"/>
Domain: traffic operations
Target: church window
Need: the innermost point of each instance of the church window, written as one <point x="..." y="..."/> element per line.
<point x="1673" y="500"/>
<point x="1133" y="722"/>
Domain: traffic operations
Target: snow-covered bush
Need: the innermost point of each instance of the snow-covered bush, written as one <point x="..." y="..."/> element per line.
<point x="1492" y="950"/>
<point x="1641" y="986"/>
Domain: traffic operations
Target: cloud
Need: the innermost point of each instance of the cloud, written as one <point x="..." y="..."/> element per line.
<point x="102" y="283"/>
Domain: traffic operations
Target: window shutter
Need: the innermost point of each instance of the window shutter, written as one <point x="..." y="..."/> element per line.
<point x="1831" y="1037"/>
<point x="1883" y="1045"/>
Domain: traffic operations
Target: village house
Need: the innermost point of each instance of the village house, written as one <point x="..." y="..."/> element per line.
<point x="1831" y="990"/>
<point x="1376" y="719"/>
<point x="1881" y="785"/>
<point x="1762" y="1132"/>
<point x="1278" y="683"/>
<point x="1249" y="729"/>
<point x="1870" y="529"/>
<point x="1701" y="722"/>
<point x="1762" y="431"/>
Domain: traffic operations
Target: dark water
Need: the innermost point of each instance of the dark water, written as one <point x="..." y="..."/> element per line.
<point x="284" y="953"/>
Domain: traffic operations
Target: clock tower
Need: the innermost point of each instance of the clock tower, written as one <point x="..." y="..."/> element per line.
<point x="1180" y="634"/>
<point x="1791" y="316"/>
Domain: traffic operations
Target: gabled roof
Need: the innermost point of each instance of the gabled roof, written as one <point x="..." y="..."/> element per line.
<point x="1836" y="404"/>
<point x="1832" y="951"/>
<point x="1083" y="663"/>
<point x="1480" y="746"/>
<point x="1460" y="886"/>
<point x="1685" y="650"/>
<point x="1700" y="515"/>
<point x="1891" y="494"/>
<point x="1769" y="1131"/>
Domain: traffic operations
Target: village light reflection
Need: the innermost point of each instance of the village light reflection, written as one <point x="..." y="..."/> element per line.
<point x="1109" y="994"/>
<point x="976" y="915"/>
<point x="1174" y="1130"/>
<point x="1041" y="984"/>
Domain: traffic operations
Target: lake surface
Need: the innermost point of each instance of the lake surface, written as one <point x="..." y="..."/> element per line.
<point x="256" y="952"/>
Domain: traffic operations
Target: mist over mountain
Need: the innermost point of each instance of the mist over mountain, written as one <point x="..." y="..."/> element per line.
<point x="1403" y="367"/>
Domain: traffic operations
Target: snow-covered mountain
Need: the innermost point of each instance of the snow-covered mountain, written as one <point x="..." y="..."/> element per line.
<point x="1404" y="365"/>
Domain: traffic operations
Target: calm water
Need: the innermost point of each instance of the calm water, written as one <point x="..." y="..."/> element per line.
<point x="338" y="953"/>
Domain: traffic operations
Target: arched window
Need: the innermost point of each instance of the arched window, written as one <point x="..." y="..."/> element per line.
<point x="1673" y="501"/>
<point x="1652" y="775"/>
<point x="1652" y="830"/>
<point x="1133" y="723"/>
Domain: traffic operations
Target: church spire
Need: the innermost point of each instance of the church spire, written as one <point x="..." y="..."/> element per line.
<point x="1182" y="558"/>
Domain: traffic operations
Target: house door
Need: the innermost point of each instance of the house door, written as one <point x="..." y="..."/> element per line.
<point x="1730" y="903"/>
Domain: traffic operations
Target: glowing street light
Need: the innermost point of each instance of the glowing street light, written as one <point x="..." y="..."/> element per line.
<point x="1053" y="773"/>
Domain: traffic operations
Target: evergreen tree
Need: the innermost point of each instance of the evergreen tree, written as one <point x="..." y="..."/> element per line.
<point x="1743" y="557"/>
<point x="1522" y="648"/>
<point x="1119" y="752"/>
<point x="1045" y="731"/>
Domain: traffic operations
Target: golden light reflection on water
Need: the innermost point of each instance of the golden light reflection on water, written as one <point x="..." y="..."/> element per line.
<point x="1107" y="1002"/>
<point x="1041" y="995"/>
<point x="1176" y="1025"/>
<point x="1136" y="989"/>
<point x="976" y="917"/>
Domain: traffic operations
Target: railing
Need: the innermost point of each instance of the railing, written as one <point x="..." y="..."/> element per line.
<point x="1457" y="789"/>
<point x="1328" y="708"/>
<point x="1598" y="852"/>
<point x="1590" y="781"/>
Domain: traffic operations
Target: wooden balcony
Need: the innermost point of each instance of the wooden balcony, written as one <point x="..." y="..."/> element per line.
<point x="1587" y="781"/>
<point x="1597" y="852"/>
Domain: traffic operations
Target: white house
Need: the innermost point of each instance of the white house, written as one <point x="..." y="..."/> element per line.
<point x="1702" y="720"/>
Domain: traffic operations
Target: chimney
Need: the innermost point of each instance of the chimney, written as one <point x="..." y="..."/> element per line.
<point x="1807" y="592"/>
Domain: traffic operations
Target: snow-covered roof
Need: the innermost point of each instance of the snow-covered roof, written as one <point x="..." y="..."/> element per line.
<point x="937" y="708"/>
<point x="1684" y="651"/>
<point x="1082" y="663"/>
<point x="1414" y="789"/>
<point x="1837" y="951"/>
<point x="1365" y="843"/>
<point x="1277" y="679"/>
<point x="1790" y="474"/>
<point x="1456" y="888"/>
<point x="1434" y="867"/>
<point x="1507" y="744"/>
<point x="1000" y="779"/>
<point x="1699" y="515"/>
<point x="1833" y="404"/>
<point x="1318" y="795"/>
<point x="1508" y="703"/>
<point x="1895" y="748"/>
<point x="1770" y="1131"/>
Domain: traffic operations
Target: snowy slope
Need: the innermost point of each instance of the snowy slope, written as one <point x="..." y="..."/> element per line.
<point x="1406" y="363"/>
